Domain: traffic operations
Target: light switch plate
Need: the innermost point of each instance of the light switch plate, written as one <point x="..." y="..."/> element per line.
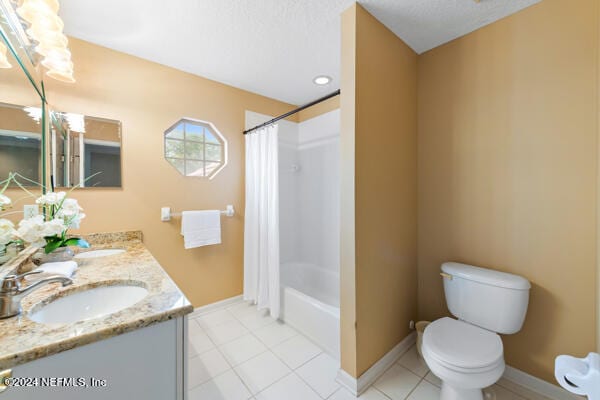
<point x="30" y="210"/>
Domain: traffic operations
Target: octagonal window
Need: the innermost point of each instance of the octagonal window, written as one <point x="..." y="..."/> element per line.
<point x="195" y="148"/>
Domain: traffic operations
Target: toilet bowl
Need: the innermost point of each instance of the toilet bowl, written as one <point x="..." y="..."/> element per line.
<point x="467" y="353"/>
<point x="465" y="357"/>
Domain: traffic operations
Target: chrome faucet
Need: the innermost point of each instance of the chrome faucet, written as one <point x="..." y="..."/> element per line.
<point x="11" y="292"/>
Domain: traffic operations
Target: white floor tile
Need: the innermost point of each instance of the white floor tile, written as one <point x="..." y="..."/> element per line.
<point x="199" y="343"/>
<point x="370" y="394"/>
<point x="226" y="386"/>
<point x="256" y="320"/>
<point x="214" y="318"/>
<point x="275" y="333"/>
<point x="289" y="388"/>
<point x="397" y="382"/>
<point x="193" y="327"/>
<point x="425" y="391"/>
<point x="497" y="392"/>
<point x="241" y="309"/>
<point x="412" y="361"/>
<point x="431" y="378"/>
<point x="242" y="349"/>
<point x="320" y="374"/>
<point x="296" y="351"/>
<point x="226" y="331"/>
<point x="261" y="371"/>
<point x="520" y="390"/>
<point x="205" y="366"/>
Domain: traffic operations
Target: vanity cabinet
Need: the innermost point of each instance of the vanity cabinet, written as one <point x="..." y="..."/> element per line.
<point x="147" y="363"/>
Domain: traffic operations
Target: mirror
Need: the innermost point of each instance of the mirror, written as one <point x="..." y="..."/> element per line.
<point x="84" y="151"/>
<point x="20" y="141"/>
<point x="22" y="131"/>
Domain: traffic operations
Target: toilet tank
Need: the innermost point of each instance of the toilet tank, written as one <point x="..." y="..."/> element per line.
<point x="493" y="300"/>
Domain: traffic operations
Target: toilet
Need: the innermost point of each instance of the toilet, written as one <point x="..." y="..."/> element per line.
<point x="467" y="353"/>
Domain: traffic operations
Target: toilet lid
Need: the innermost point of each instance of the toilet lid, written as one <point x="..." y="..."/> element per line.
<point x="461" y="344"/>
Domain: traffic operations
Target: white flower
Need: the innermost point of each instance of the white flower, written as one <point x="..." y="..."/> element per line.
<point x="69" y="208"/>
<point x="54" y="227"/>
<point x="34" y="230"/>
<point x="31" y="230"/>
<point x="7" y="232"/>
<point x="51" y="198"/>
<point x="71" y="213"/>
<point x="5" y="202"/>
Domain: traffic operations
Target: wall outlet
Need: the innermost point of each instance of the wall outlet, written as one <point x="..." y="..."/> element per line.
<point x="411" y="325"/>
<point x="30" y="210"/>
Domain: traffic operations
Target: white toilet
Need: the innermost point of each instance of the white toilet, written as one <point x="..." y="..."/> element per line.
<point x="467" y="353"/>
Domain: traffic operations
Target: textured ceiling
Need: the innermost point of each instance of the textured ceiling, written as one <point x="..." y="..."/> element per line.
<point x="271" y="47"/>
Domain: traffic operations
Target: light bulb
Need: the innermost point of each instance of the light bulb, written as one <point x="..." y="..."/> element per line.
<point x="44" y="26"/>
<point x="3" y="59"/>
<point x="61" y="76"/>
<point x="56" y="58"/>
<point x="49" y="39"/>
<point x="32" y="9"/>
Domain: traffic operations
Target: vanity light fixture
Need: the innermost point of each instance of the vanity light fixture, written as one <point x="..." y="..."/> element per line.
<point x="46" y="29"/>
<point x="322" y="80"/>
<point x="76" y="122"/>
<point x="34" y="113"/>
<point x="3" y="60"/>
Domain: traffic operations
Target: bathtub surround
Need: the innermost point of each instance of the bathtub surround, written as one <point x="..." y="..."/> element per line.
<point x="261" y="227"/>
<point x="379" y="190"/>
<point x="309" y="225"/>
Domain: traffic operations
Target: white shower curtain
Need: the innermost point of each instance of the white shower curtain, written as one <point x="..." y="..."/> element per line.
<point x="261" y="229"/>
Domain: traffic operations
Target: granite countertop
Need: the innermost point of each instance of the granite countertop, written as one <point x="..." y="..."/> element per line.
<point x="23" y="340"/>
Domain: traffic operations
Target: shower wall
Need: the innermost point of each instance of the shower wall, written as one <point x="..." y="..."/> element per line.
<point x="309" y="192"/>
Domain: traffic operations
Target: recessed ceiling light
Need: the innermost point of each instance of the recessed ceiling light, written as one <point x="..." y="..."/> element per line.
<point x="322" y="80"/>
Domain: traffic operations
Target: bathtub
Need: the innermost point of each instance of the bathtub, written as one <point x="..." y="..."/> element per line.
<point x="310" y="303"/>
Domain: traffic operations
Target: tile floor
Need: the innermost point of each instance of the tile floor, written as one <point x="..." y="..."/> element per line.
<point x="238" y="353"/>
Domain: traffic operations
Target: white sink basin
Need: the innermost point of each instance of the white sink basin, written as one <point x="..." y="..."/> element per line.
<point x="88" y="304"/>
<point x="99" y="253"/>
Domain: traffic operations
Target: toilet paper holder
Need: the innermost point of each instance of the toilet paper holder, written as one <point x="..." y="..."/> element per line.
<point x="579" y="375"/>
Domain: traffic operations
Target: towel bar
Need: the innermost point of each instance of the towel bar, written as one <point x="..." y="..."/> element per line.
<point x="166" y="214"/>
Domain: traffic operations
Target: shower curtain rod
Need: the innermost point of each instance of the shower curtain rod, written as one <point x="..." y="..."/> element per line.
<point x="287" y="114"/>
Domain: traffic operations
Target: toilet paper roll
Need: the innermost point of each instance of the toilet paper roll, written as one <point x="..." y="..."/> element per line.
<point x="567" y="366"/>
<point x="579" y="375"/>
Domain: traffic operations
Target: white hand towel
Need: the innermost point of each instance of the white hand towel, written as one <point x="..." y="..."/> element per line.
<point x="201" y="228"/>
<point x="66" y="268"/>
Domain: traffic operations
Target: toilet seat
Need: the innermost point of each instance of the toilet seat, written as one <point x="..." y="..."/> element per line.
<point x="463" y="347"/>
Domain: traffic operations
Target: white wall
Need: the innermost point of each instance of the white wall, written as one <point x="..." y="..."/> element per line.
<point x="319" y="190"/>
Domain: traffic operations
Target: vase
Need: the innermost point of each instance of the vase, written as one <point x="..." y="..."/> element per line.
<point x="61" y="254"/>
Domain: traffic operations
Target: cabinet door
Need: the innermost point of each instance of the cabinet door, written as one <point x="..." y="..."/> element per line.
<point x="144" y="364"/>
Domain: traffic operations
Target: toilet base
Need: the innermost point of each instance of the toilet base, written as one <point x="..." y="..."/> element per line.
<point x="453" y="393"/>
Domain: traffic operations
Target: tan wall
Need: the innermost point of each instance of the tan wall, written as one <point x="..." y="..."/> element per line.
<point x="348" y="342"/>
<point x="598" y="190"/>
<point x="385" y="179"/>
<point x="507" y="170"/>
<point x="319" y="109"/>
<point x="148" y="98"/>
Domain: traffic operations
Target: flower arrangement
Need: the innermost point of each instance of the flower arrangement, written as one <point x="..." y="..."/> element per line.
<point x="47" y="230"/>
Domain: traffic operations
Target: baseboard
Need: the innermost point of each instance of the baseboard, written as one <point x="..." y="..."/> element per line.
<point x="215" y="306"/>
<point x="517" y="381"/>
<point x="523" y="384"/>
<point x="358" y="386"/>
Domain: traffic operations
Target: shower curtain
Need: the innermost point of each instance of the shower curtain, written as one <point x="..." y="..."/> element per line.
<point x="261" y="228"/>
